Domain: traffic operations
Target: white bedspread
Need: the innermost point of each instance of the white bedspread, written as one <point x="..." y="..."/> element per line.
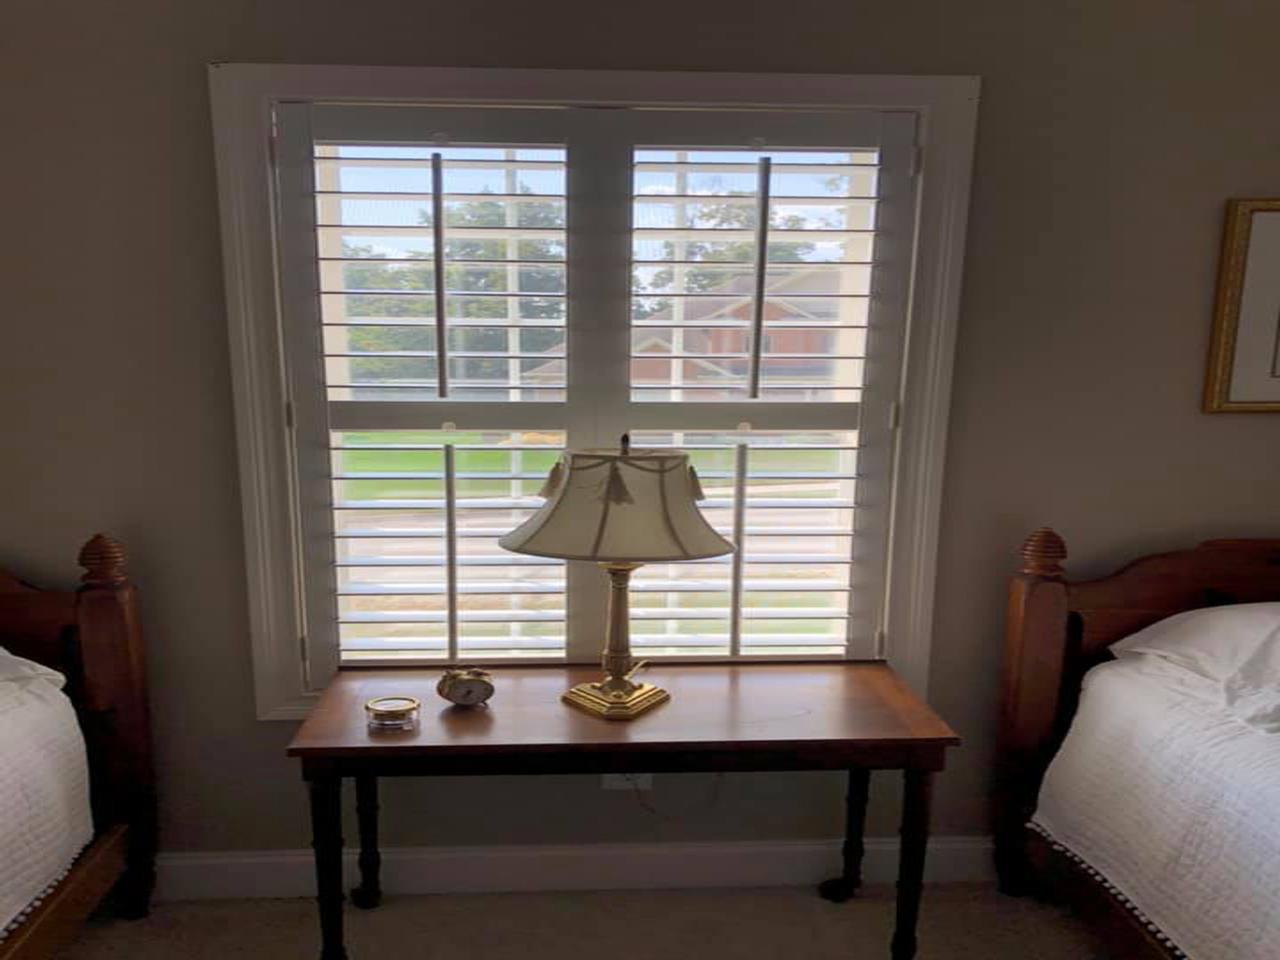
<point x="1176" y="804"/>
<point x="44" y="792"/>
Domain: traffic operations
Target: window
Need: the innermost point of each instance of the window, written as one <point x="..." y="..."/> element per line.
<point x="464" y="290"/>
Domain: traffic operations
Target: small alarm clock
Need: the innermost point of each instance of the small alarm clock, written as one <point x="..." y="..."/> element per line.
<point x="465" y="686"/>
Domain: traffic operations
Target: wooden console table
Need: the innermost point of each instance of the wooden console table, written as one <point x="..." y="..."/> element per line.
<point x="797" y="716"/>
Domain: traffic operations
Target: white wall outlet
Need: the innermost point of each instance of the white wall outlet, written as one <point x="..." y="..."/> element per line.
<point x="627" y="781"/>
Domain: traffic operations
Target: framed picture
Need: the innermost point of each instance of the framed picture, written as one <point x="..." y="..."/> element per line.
<point x="1244" y="357"/>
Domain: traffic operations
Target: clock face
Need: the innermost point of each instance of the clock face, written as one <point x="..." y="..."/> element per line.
<point x="468" y="692"/>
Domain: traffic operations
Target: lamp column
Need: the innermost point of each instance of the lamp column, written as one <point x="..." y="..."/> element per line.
<point x="618" y="697"/>
<point x="617" y="659"/>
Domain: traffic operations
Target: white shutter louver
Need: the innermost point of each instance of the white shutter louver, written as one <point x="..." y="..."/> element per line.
<point x="417" y="517"/>
<point x="787" y="500"/>
<point x="391" y="221"/>
<point x="751" y="274"/>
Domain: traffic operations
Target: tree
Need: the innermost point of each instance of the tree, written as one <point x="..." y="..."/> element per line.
<point x="476" y="268"/>
<point x="710" y="216"/>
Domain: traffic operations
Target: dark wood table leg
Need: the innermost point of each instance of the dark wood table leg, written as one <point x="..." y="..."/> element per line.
<point x="917" y="788"/>
<point x="369" y="892"/>
<point x="841" y="888"/>
<point x="326" y="841"/>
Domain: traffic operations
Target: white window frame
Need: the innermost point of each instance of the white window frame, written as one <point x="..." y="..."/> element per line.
<point x="244" y="97"/>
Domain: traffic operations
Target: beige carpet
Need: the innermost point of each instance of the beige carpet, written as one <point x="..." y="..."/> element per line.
<point x="960" y="921"/>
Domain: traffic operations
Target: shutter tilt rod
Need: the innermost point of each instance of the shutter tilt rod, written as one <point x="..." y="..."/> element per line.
<point x="437" y="233"/>
<point x="740" y="465"/>
<point x="451" y="549"/>
<point x="762" y="263"/>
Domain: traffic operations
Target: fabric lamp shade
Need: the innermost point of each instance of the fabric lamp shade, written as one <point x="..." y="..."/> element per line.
<point x="622" y="506"/>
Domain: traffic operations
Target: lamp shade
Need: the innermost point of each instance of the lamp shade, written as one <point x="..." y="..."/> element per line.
<point x="636" y="506"/>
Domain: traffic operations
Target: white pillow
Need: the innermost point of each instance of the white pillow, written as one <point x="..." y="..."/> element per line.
<point x="1237" y="647"/>
<point x="17" y="669"/>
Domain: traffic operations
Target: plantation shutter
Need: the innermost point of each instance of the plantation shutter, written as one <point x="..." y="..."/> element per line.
<point x="768" y="300"/>
<point x="465" y="292"/>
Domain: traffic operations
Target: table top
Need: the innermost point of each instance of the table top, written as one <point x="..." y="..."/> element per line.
<point x="713" y="707"/>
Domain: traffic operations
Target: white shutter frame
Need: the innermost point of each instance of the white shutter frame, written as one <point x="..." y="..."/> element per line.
<point x="304" y="377"/>
<point x="243" y="96"/>
<point x="299" y="127"/>
<point x="943" y="166"/>
<point x="888" y="319"/>
<point x="598" y="174"/>
<point x="243" y="131"/>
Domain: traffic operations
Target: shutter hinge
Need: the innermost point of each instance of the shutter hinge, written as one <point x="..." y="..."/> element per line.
<point x="302" y="649"/>
<point x="895" y="415"/>
<point x="288" y="416"/>
<point x="917" y="160"/>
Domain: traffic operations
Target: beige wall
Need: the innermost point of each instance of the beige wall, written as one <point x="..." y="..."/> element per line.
<point x="1110" y="134"/>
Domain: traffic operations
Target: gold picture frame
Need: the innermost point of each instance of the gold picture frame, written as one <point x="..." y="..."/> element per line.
<point x="1244" y="354"/>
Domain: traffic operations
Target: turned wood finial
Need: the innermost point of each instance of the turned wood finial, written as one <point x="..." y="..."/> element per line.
<point x="103" y="560"/>
<point x="1043" y="553"/>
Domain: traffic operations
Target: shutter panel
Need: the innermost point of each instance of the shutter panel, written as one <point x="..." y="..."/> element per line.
<point x="417" y="517"/>
<point x="751" y="274"/>
<point x="787" y="500"/>
<point x="442" y="272"/>
<point x="439" y="274"/>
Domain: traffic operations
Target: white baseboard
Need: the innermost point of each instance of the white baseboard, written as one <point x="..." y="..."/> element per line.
<point x="641" y="866"/>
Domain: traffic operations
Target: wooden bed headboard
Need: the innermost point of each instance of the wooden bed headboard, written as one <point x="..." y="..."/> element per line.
<point x="1057" y="629"/>
<point x="92" y="635"/>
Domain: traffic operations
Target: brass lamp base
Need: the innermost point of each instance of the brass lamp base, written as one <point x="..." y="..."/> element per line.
<point x="615" y="704"/>
<point x="617" y="697"/>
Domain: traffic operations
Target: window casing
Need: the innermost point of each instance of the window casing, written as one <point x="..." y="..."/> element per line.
<point x="740" y="433"/>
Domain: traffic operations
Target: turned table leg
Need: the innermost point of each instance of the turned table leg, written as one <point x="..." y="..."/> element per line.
<point x="369" y="892"/>
<point x="917" y="787"/>
<point x="841" y="888"/>
<point x="326" y="841"/>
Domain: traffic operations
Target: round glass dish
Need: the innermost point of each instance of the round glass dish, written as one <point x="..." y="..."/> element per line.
<point x="392" y="713"/>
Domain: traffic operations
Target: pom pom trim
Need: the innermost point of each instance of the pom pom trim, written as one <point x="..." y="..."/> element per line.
<point x="12" y="926"/>
<point x="1161" y="937"/>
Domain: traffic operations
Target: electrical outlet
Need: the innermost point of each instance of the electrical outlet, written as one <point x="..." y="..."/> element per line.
<point x="627" y="781"/>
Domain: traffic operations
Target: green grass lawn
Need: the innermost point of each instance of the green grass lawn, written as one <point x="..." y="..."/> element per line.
<point x="500" y="462"/>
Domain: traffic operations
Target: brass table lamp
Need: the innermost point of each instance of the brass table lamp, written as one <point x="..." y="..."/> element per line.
<point x="621" y="508"/>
